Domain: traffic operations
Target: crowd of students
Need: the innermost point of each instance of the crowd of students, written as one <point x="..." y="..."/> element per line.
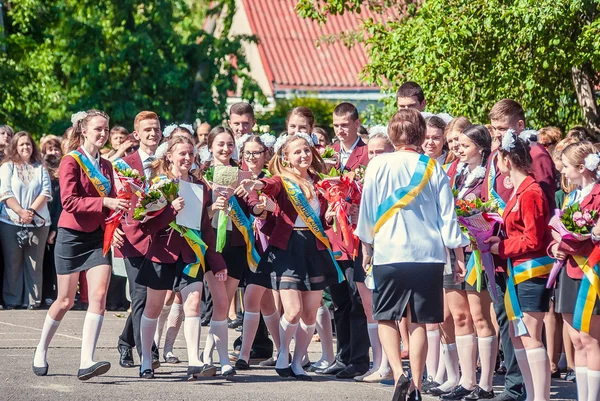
<point x="400" y="290"/>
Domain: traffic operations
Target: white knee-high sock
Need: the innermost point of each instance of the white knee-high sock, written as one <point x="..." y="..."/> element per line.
<point x="250" y="325"/>
<point x="219" y="333"/>
<point x="191" y="330"/>
<point x="581" y="379"/>
<point x="303" y="337"/>
<point x="147" y="330"/>
<point x="48" y="330"/>
<point x="521" y="357"/>
<point x="467" y="358"/>
<point x="89" y="338"/>
<point x="452" y="367"/>
<point x="173" y="325"/>
<point x="440" y="375"/>
<point x="593" y="380"/>
<point x="161" y="324"/>
<point x="272" y="322"/>
<point x="488" y="349"/>
<point x="372" y="329"/>
<point x="539" y="364"/>
<point x="325" y="331"/>
<point x="433" y="353"/>
<point x="287" y="331"/>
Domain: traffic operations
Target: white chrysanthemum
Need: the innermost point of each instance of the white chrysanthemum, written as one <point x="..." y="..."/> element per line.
<point x="529" y="135"/>
<point x="161" y="150"/>
<point x="508" y="140"/>
<point x="479" y="172"/>
<point x="205" y="155"/>
<point x="188" y="127"/>
<point x="279" y="143"/>
<point x="75" y="118"/>
<point x="169" y="130"/>
<point x="268" y="140"/>
<point x="309" y="138"/>
<point x="242" y="140"/>
<point x="592" y="161"/>
<point x="378" y="129"/>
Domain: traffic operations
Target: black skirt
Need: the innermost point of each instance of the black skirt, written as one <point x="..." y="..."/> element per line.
<point x="533" y="295"/>
<point x="262" y="276"/>
<point x="302" y="266"/>
<point x="166" y="276"/>
<point x="414" y="285"/>
<point x="449" y="283"/>
<point x="235" y="258"/>
<point x="566" y="294"/>
<point x="77" y="251"/>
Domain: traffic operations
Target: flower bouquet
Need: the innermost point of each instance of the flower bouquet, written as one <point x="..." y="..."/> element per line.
<point x="328" y="155"/>
<point x="573" y="223"/>
<point x="128" y="181"/>
<point x="156" y="198"/>
<point x="479" y="219"/>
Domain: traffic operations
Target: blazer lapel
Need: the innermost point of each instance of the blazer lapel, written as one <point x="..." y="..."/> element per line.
<point x="355" y="156"/>
<point x="590" y="198"/>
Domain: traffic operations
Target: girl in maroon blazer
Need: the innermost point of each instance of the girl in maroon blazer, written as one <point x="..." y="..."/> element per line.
<point x="297" y="250"/>
<point x="580" y="166"/>
<point x="170" y="263"/>
<point x="88" y="196"/>
<point x="525" y="226"/>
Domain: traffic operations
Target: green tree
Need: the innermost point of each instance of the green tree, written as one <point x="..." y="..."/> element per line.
<point x="467" y="54"/>
<point x="322" y="109"/>
<point x="121" y="56"/>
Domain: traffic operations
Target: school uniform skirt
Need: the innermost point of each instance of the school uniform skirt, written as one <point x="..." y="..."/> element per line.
<point x="533" y="295"/>
<point x="78" y="251"/>
<point x="235" y="258"/>
<point x="417" y="286"/>
<point x="449" y="283"/>
<point x="302" y="266"/>
<point x="166" y="276"/>
<point x="566" y="293"/>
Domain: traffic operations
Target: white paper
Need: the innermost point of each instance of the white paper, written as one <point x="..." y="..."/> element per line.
<point x="191" y="215"/>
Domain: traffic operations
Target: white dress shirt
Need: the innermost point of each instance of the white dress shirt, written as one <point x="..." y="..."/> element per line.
<point x="146" y="160"/>
<point x="421" y="231"/>
<point x="345" y="154"/>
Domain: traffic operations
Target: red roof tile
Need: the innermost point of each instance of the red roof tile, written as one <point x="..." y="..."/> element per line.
<point x="290" y="54"/>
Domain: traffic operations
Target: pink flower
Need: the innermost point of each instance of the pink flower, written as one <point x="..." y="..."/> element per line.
<point x="580" y="222"/>
<point x="577" y="216"/>
<point x="587" y="216"/>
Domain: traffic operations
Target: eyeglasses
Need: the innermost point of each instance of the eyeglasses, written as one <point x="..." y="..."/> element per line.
<point x="248" y="155"/>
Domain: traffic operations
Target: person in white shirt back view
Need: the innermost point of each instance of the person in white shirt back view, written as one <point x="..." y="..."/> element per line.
<point x="406" y="222"/>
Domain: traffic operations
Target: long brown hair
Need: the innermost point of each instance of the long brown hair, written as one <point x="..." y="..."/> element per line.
<point x="162" y="165"/>
<point x="277" y="168"/>
<point x="13" y="153"/>
<point x="76" y="138"/>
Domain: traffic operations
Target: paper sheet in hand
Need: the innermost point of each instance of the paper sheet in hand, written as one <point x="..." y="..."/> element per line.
<point x="191" y="215"/>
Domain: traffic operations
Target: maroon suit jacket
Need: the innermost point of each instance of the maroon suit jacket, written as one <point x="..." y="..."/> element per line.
<point x="280" y="229"/>
<point x="136" y="241"/>
<point x="168" y="245"/>
<point x="579" y="248"/>
<point x="358" y="157"/>
<point x="82" y="204"/>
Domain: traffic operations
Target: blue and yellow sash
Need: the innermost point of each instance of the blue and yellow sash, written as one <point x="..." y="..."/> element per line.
<point x="244" y="224"/>
<point x="194" y="240"/>
<point x="589" y="290"/>
<point x="474" y="269"/>
<point x="492" y="194"/>
<point x="310" y="218"/>
<point x="402" y="197"/>
<point x="527" y="270"/>
<point x="99" y="181"/>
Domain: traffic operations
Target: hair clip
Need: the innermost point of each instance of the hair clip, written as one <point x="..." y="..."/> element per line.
<point x="509" y="140"/>
<point x="592" y="161"/>
<point x="77" y="117"/>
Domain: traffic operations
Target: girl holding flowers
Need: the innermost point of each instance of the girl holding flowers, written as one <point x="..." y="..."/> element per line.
<point x="524" y="245"/>
<point x="173" y="264"/>
<point x="580" y="313"/>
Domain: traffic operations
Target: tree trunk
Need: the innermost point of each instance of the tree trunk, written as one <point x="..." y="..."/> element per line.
<point x="586" y="98"/>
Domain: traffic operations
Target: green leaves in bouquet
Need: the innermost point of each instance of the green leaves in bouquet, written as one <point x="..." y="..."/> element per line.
<point x="328" y="153"/>
<point x="170" y="191"/>
<point x="209" y="174"/>
<point x="572" y="214"/>
<point x="149" y="197"/>
<point x="332" y="173"/>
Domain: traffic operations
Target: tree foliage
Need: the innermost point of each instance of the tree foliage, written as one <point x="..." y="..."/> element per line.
<point x="121" y="56"/>
<point x="467" y="54"/>
<point x="322" y="109"/>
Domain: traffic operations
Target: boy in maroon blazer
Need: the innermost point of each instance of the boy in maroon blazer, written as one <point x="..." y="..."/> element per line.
<point x="352" y="358"/>
<point x="135" y="242"/>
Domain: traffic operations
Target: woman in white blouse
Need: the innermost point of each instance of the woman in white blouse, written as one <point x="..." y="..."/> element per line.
<point x="406" y="222"/>
<point x="25" y="191"/>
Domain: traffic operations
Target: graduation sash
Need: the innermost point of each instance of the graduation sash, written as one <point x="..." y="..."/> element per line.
<point x="589" y="290"/>
<point x="310" y="218"/>
<point x="492" y="194"/>
<point x="244" y="224"/>
<point x="194" y="240"/>
<point x="474" y="270"/>
<point x="402" y="197"/>
<point x="99" y="181"/>
<point x="516" y="275"/>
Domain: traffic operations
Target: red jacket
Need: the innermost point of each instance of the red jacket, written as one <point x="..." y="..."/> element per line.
<point x="136" y="241"/>
<point x="82" y="204"/>
<point x="168" y="245"/>
<point x="285" y="215"/>
<point x="525" y="224"/>
<point x="579" y="248"/>
<point x="358" y="157"/>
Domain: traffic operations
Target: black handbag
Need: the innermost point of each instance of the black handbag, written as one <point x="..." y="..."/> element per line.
<point x="23" y="235"/>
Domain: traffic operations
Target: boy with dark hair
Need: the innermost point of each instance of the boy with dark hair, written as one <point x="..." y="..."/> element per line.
<point x="241" y="119"/>
<point x="410" y="96"/>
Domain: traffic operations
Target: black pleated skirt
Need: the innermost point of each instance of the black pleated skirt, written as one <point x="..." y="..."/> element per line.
<point x="77" y="251"/>
<point x="417" y="286"/>
<point x="166" y="276"/>
<point x="235" y="258"/>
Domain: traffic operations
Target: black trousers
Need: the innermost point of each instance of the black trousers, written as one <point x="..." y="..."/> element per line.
<point x="513" y="381"/>
<point x="130" y="337"/>
<point x="115" y="297"/>
<point x="350" y="321"/>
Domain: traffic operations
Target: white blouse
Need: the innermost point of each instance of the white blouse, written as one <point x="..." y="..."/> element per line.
<point x="24" y="182"/>
<point x="421" y="231"/>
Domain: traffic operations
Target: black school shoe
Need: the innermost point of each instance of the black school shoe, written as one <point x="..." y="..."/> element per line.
<point x="401" y="388"/>
<point x="240" y="364"/>
<point x="97" y="369"/>
<point x="456" y="394"/>
<point x="479" y="394"/>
